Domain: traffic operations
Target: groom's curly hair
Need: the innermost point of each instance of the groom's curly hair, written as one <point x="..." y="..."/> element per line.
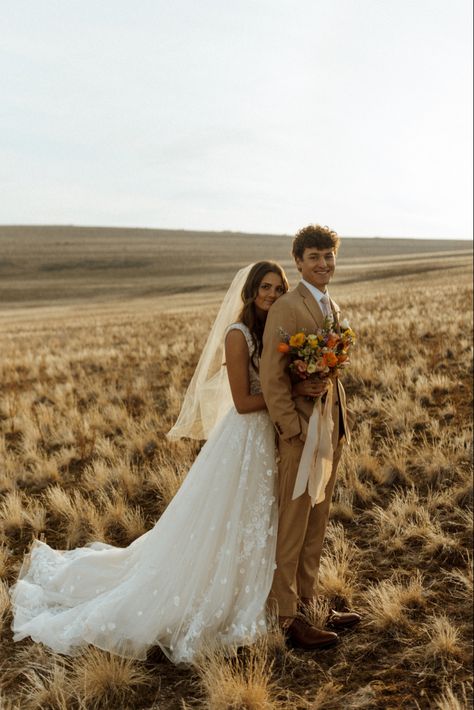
<point x="248" y="314"/>
<point x="314" y="236"/>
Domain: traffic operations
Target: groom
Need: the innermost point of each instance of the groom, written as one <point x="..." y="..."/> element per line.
<point x="301" y="527"/>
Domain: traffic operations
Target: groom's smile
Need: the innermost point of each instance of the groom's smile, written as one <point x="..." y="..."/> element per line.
<point x="317" y="266"/>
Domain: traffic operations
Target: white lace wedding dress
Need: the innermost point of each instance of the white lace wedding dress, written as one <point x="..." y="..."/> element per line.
<point x="198" y="578"/>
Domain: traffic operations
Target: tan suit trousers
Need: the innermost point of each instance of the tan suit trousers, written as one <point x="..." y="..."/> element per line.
<point x="301" y="531"/>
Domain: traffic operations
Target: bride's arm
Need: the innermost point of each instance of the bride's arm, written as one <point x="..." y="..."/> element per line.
<point x="237" y="361"/>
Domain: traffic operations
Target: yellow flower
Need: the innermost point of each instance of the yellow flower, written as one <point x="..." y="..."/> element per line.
<point x="297" y="340"/>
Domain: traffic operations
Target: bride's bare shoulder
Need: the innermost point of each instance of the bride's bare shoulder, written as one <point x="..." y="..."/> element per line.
<point x="237" y="337"/>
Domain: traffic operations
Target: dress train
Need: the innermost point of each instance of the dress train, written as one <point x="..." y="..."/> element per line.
<point x="199" y="577"/>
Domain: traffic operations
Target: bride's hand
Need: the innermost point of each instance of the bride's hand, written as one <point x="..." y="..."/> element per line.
<point x="310" y="388"/>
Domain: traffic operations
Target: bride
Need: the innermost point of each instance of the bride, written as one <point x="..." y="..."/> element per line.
<point x="201" y="576"/>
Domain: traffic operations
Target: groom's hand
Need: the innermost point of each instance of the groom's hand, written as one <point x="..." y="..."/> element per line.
<point x="310" y="388"/>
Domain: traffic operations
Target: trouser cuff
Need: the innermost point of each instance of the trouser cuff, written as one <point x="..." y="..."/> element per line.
<point x="283" y="607"/>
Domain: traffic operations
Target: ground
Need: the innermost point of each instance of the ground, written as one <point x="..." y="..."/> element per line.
<point x="88" y="389"/>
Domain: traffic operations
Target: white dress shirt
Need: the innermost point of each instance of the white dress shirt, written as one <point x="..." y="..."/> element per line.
<point x="318" y="295"/>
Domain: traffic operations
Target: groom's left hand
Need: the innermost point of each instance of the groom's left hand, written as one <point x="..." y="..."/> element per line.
<point x="310" y="388"/>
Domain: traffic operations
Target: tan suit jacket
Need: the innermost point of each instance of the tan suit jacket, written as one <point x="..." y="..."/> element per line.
<point x="296" y="311"/>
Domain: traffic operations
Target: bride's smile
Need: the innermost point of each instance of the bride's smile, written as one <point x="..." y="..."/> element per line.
<point x="269" y="290"/>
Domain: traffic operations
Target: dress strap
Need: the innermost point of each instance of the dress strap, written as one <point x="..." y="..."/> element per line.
<point x="248" y="337"/>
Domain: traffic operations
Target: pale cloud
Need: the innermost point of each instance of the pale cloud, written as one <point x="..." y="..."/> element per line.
<point x="255" y="115"/>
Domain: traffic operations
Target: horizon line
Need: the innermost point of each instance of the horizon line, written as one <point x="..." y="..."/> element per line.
<point x="227" y="231"/>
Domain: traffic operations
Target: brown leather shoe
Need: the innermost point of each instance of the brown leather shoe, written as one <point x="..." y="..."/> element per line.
<point x="342" y="619"/>
<point x="302" y="634"/>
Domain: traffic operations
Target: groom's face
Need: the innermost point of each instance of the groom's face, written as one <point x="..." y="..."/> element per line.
<point x="317" y="266"/>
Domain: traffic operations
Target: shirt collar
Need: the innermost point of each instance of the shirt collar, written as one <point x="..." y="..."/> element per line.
<point x="315" y="291"/>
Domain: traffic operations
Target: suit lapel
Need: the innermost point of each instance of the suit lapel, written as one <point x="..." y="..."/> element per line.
<point x="311" y="305"/>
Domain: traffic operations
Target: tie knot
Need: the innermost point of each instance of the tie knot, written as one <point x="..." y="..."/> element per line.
<point x="324" y="299"/>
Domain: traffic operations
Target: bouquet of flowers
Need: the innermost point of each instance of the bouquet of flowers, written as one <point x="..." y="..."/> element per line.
<point x="318" y="354"/>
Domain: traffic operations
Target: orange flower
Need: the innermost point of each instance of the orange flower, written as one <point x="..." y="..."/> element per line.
<point x="283" y="348"/>
<point x="342" y="357"/>
<point x="330" y="359"/>
<point x="332" y="340"/>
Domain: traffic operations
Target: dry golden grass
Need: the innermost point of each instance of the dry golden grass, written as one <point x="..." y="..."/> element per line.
<point x="239" y="682"/>
<point x="338" y="569"/>
<point x="448" y="700"/>
<point x="86" y="396"/>
<point x="389" y="603"/>
<point x="443" y="638"/>
<point x="100" y="679"/>
<point x="46" y="687"/>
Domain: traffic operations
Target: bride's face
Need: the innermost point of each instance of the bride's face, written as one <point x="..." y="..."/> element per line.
<point x="271" y="287"/>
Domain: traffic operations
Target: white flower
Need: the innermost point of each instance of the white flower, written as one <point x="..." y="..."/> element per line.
<point x="345" y="324"/>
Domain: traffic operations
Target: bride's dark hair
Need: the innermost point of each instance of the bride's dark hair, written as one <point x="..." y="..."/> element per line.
<point x="248" y="314"/>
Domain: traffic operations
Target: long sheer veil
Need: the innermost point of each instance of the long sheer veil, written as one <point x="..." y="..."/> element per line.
<point x="208" y="397"/>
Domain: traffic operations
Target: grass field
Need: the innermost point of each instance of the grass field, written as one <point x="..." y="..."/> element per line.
<point x="40" y="265"/>
<point x="94" y="362"/>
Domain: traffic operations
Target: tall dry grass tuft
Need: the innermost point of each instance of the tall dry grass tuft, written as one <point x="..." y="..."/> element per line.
<point x="444" y="641"/>
<point x="405" y="524"/>
<point x="317" y="611"/>
<point x="167" y="478"/>
<point x="5" y="606"/>
<point x="388" y="603"/>
<point x="46" y="688"/>
<point x="101" y="680"/>
<point x="338" y="567"/>
<point x="7" y="703"/>
<point x="4" y="561"/>
<point x="460" y="581"/>
<point x="450" y="700"/>
<point x="241" y="680"/>
<point x="14" y="518"/>
<point x="76" y="518"/>
<point x="122" y="523"/>
<point x="37" y="516"/>
<point x="275" y="639"/>
<point x="328" y="695"/>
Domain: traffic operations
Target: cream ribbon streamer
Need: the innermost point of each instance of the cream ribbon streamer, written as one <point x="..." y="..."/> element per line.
<point x="315" y="466"/>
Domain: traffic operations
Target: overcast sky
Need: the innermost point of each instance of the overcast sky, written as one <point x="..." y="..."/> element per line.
<point x="253" y="115"/>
